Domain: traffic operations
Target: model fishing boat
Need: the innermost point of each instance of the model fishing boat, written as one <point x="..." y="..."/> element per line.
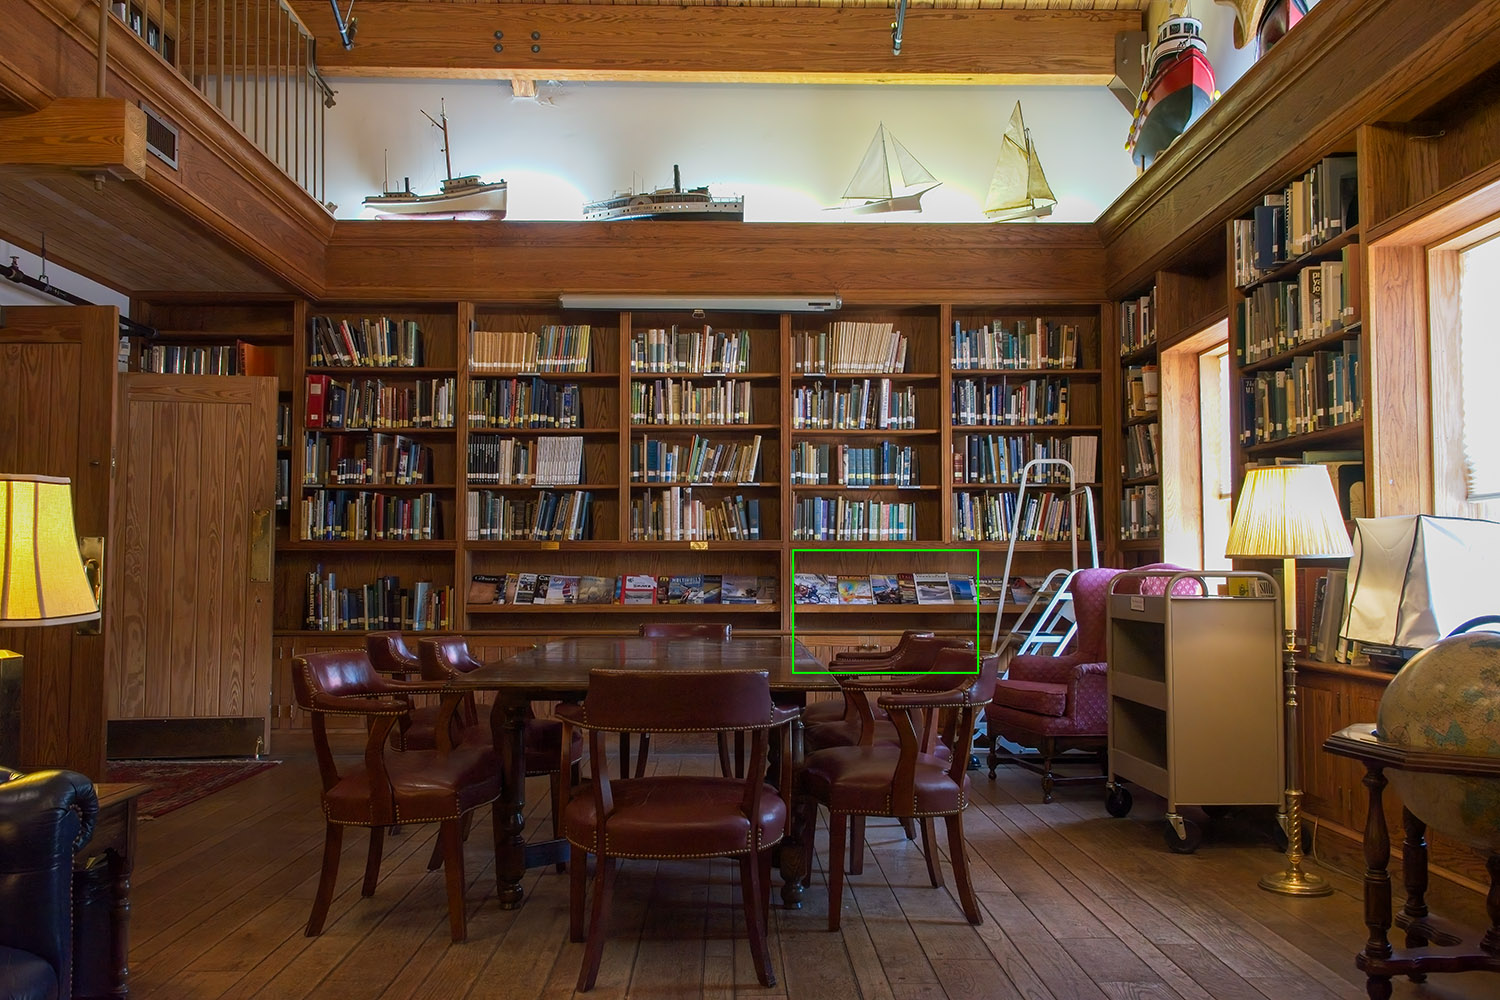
<point x="465" y="197"/>
<point x="889" y="178"/>
<point x="1018" y="187"/>
<point x="692" y="205"/>
<point x="1179" y="88"/>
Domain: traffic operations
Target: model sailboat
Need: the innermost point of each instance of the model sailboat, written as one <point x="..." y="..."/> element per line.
<point x="1018" y="188"/>
<point x="889" y="178"/>
<point x="465" y="197"/>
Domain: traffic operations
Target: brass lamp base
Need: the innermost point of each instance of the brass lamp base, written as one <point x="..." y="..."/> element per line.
<point x="1296" y="883"/>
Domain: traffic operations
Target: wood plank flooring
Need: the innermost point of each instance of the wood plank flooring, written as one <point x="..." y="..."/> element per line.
<point x="1077" y="905"/>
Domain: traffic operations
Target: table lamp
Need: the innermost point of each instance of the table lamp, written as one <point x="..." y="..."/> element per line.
<point x="42" y="580"/>
<point x="1289" y="512"/>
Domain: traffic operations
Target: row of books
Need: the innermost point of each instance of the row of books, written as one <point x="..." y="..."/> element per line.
<point x="380" y="604"/>
<point x="1000" y="458"/>
<point x="1279" y="316"/>
<point x="699" y="461"/>
<point x="673" y="514"/>
<point x="350" y="460"/>
<point x="554" y="588"/>
<point x="889" y="588"/>
<point x="370" y="403"/>
<point x="507" y="403"/>
<point x="378" y="342"/>
<point x="201" y="359"/>
<point x="546" y="461"/>
<point x="843" y="519"/>
<point x="993" y="517"/>
<point x="1142" y="456"/>
<point x="1010" y="402"/>
<point x="366" y="516"/>
<point x="862" y="406"/>
<point x="1308" y="212"/>
<point x="1140" y="512"/>
<point x="663" y="401"/>
<point x="886" y="464"/>
<point x="1142" y="391"/>
<point x="549" y="515"/>
<point x="553" y="348"/>
<point x="283" y="425"/>
<point x="849" y="347"/>
<point x="283" y="483"/>
<point x="1138" y="322"/>
<point x="706" y="351"/>
<point x="1312" y="393"/>
<point x="1028" y="344"/>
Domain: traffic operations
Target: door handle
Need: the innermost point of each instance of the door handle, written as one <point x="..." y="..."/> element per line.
<point x="261" y="547"/>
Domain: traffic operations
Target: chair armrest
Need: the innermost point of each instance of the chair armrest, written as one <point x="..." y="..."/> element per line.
<point x="935" y="699"/>
<point x="1052" y="669"/>
<point x="358" y="705"/>
<point x="782" y="714"/>
<point x="389" y="686"/>
<point x="570" y="712"/>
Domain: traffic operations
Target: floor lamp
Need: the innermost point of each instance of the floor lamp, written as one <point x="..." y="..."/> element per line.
<point x="1289" y="512"/>
<point x="42" y="580"/>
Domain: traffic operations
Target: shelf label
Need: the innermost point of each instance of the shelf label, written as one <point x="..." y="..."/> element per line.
<point x="1137" y="603"/>
<point x="551" y="545"/>
<point x="698" y="546"/>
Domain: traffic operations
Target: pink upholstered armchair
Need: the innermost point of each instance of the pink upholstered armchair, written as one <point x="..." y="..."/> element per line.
<point x="1061" y="703"/>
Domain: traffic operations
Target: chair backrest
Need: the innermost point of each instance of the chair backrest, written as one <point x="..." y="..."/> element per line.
<point x="920" y="652"/>
<point x="688" y="701"/>
<point x="1090" y="589"/>
<point x="443" y="658"/>
<point x="45" y="817"/>
<point x="687" y="630"/>
<point x="880" y="654"/>
<point x="940" y="705"/>
<point x="389" y="653"/>
<point x="322" y="680"/>
<point x="1187" y="587"/>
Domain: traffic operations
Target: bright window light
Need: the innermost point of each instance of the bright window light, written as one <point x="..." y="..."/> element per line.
<point x="1479" y="351"/>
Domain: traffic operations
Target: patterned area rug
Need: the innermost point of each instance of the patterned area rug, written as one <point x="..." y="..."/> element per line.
<point x="179" y="782"/>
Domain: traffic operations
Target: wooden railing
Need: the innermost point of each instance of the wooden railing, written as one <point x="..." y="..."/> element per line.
<point x="256" y="62"/>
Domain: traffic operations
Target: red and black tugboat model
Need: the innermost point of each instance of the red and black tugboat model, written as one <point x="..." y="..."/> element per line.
<point x="1179" y="88"/>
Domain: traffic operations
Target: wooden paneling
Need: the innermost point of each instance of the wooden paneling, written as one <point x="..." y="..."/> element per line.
<point x="813" y="44"/>
<point x="528" y="261"/>
<point x="1299" y="102"/>
<point x="1398" y="452"/>
<point x="196" y="461"/>
<point x="57" y="418"/>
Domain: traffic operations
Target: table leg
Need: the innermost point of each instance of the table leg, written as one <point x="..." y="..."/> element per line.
<point x="120" y="869"/>
<point x="508" y="724"/>
<point x="1377" y="884"/>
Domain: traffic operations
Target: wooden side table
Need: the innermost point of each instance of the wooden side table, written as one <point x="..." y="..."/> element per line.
<point x="1429" y="947"/>
<point x="114" y="839"/>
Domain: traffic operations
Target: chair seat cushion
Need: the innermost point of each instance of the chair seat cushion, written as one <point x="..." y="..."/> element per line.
<point x="24" y="976"/>
<point x="673" y="817"/>
<point x="1015" y="725"/>
<point x="427" y="786"/>
<point x="1038" y="697"/>
<point x="858" y="780"/>
<point x="820" y="712"/>
<point x="846" y="734"/>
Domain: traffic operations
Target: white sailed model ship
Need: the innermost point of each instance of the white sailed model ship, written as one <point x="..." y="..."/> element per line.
<point x="465" y="197"/>
<point x="1018" y="188"/>
<point x="889" y="178"/>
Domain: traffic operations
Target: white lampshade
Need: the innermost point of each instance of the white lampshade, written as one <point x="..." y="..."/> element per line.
<point x="1288" y="512"/>
<point x="42" y="581"/>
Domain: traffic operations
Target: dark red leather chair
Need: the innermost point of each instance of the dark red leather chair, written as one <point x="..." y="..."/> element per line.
<point x="388" y="787"/>
<point x="677" y="815"/>
<point x="722" y="631"/>
<point x="837" y="709"/>
<point x="907" y="781"/>
<point x="441" y="659"/>
<point x="915" y="653"/>
<point x="390" y="655"/>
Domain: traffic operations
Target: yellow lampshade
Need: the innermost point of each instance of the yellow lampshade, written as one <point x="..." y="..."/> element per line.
<point x="1288" y="512"/>
<point x="42" y="581"/>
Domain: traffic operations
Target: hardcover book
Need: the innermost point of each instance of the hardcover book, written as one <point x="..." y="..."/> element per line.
<point x="932" y="588"/>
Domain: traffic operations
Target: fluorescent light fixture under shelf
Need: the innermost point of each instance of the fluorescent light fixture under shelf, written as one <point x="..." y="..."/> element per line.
<point x="705" y="303"/>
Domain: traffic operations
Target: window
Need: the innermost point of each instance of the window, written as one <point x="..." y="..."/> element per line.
<point x="1216" y="479"/>
<point x="1479" y="360"/>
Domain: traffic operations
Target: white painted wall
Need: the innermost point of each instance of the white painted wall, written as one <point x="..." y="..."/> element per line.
<point x="13" y="294"/>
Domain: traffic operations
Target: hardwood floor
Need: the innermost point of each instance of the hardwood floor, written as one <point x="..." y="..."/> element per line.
<point x="1077" y="905"/>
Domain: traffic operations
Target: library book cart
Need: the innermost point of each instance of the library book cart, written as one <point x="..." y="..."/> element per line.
<point x="1195" y="696"/>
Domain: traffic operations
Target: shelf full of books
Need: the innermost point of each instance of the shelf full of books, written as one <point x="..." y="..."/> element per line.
<point x="1139" y="503"/>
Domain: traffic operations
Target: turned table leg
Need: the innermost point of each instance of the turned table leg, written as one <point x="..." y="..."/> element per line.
<point x="1377" y="883"/>
<point x="508" y="723"/>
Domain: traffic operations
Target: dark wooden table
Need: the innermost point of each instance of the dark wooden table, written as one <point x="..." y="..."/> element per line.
<point x="114" y="840"/>
<point x="1429" y="946"/>
<point x="560" y="671"/>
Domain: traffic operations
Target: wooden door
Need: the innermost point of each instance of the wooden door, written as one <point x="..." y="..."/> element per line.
<point x="57" y="386"/>
<point x="191" y="578"/>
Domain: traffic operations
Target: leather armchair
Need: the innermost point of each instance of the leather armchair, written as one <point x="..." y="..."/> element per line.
<point x="45" y="817"/>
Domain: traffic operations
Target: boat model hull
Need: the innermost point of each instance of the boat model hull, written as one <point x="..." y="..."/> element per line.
<point x="679" y="210"/>
<point x="900" y="203"/>
<point x="1179" y="94"/>
<point x="470" y="202"/>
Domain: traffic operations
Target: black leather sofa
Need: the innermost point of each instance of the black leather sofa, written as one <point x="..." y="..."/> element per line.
<point x="45" y="817"/>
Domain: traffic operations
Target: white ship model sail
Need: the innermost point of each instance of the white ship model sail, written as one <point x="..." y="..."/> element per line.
<point x="889" y="178"/>
<point x="1018" y="188"/>
<point x="465" y="197"/>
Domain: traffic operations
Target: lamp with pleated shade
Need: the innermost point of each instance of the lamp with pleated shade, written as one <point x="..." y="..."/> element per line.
<point x="1289" y="512"/>
<point x="42" y="580"/>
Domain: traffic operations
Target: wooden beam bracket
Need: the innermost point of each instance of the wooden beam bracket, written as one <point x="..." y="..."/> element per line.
<point x="95" y="136"/>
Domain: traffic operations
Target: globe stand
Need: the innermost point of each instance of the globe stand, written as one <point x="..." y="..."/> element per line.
<point x="1293" y="881"/>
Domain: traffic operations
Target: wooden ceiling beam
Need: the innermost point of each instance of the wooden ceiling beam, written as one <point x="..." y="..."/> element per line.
<point x="849" y="45"/>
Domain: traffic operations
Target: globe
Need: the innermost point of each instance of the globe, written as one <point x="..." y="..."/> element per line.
<point x="1447" y="700"/>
